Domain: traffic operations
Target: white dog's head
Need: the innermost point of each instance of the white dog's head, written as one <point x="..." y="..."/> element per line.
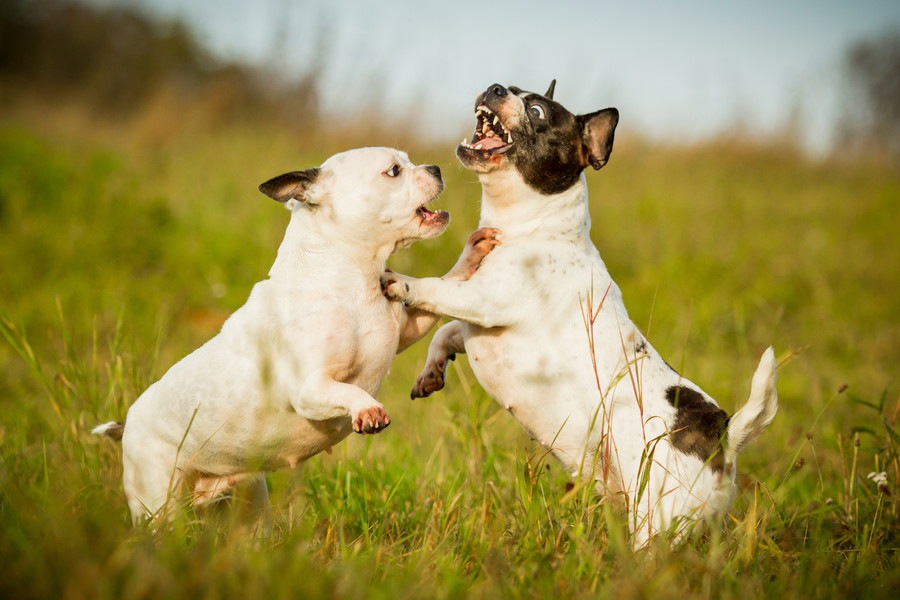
<point x="368" y="195"/>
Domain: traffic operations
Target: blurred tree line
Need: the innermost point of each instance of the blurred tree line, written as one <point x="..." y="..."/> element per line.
<point x="872" y="116"/>
<point x="119" y="61"/>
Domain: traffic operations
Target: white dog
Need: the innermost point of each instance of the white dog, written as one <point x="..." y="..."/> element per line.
<point x="548" y="335"/>
<point x="298" y="367"/>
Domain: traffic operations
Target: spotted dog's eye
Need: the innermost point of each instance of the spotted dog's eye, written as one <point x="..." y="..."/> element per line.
<point x="537" y="110"/>
<point x="393" y="171"/>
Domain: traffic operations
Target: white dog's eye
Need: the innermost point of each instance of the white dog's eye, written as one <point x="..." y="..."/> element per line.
<point x="537" y="110"/>
<point x="393" y="171"/>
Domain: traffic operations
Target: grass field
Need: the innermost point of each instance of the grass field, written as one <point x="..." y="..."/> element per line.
<point x="122" y="253"/>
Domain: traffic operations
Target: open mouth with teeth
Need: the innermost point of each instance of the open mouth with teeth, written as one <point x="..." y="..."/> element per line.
<point x="429" y="217"/>
<point x="490" y="136"/>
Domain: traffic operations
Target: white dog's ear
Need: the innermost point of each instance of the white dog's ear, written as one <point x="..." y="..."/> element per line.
<point x="598" y="131"/>
<point x="291" y="186"/>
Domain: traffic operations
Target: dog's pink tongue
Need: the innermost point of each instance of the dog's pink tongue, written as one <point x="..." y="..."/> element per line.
<point x="489" y="143"/>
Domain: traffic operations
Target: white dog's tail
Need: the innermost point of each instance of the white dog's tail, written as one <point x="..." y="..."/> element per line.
<point x="753" y="418"/>
<point x="113" y="430"/>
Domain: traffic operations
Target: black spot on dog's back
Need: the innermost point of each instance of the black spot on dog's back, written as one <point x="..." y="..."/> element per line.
<point x="699" y="426"/>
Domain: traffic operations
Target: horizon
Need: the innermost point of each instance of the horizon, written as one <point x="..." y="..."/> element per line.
<point x="676" y="73"/>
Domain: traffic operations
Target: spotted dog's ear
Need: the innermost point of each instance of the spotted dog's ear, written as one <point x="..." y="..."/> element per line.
<point x="291" y="186"/>
<point x="598" y="131"/>
<point x="550" y="90"/>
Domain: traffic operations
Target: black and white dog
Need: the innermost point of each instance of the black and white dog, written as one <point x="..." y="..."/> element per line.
<point x="548" y="335"/>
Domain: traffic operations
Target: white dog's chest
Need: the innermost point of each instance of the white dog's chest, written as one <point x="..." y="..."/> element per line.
<point x="363" y="360"/>
<point x="350" y="341"/>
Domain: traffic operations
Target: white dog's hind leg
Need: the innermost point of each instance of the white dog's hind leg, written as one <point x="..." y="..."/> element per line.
<point x="445" y="345"/>
<point x="259" y="508"/>
<point x="150" y="478"/>
<point x="247" y="493"/>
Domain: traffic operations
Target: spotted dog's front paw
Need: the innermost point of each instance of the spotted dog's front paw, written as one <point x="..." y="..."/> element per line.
<point x="394" y="287"/>
<point x="481" y="242"/>
<point x="372" y="419"/>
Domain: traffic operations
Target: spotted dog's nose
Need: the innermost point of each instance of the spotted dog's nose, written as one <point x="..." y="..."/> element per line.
<point x="497" y="90"/>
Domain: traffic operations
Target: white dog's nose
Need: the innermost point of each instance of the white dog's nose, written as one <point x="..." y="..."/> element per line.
<point x="434" y="170"/>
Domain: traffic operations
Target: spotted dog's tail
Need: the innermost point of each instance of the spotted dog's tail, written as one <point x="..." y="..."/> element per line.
<point x="113" y="430"/>
<point x="753" y="418"/>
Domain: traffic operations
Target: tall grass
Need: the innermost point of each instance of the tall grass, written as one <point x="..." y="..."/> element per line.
<point x="120" y="255"/>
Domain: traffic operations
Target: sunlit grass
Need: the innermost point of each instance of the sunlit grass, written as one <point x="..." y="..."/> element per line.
<point x="120" y="256"/>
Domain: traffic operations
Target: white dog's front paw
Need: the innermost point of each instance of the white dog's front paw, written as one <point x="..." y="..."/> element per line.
<point x="394" y="286"/>
<point x="371" y="419"/>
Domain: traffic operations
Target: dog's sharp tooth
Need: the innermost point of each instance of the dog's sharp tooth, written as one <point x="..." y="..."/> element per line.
<point x="490" y="133"/>
<point x="478" y="146"/>
<point x="496" y="120"/>
<point x="465" y="142"/>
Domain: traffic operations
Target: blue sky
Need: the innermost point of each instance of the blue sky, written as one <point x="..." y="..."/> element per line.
<point x="676" y="70"/>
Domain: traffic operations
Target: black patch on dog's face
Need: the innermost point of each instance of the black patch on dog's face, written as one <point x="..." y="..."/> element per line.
<point x="699" y="426"/>
<point x="547" y="150"/>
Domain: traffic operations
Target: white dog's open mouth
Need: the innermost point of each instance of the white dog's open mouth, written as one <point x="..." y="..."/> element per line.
<point x="490" y="136"/>
<point x="429" y="217"/>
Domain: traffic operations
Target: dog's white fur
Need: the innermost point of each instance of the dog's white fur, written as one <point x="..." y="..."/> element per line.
<point x="296" y="368"/>
<point x="549" y="338"/>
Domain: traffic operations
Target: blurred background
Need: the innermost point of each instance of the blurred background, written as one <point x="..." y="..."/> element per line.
<point x="821" y="75"/>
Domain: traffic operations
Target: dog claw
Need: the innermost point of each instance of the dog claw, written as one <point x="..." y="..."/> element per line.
<point x="371" y="420"/>
<point x="484" y="234"/>
<point x="481" y="242"/>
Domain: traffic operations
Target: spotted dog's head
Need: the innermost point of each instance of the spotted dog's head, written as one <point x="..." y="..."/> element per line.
<point x="544" y="142"/>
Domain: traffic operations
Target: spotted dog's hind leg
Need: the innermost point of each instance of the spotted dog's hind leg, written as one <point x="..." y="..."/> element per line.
<point x="446" y="344"/>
